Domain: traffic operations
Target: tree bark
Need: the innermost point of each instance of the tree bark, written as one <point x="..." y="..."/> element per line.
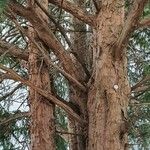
<point x="42" y="118"/>
<point x="42" y="128"/>
<point x="103" y="99"/>
<point x="108" y="94"/>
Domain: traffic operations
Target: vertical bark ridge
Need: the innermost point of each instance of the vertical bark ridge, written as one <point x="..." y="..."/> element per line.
<point x="42" y="114"/>
<point x="108" y="96"/>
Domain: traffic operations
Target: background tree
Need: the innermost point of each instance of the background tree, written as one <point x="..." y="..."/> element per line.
<point x="79" y="50"/>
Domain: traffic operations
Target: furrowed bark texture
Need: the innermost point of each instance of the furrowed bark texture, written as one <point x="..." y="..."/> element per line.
<point x="42" y="119"/>
<point x="108" y="94"/>
<point x="42" y="114"/>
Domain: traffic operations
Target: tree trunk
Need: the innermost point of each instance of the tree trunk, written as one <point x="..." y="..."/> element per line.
<point x="42" y="114"/>
<point x="42" y="118"/>
<point x="108" y="94"/>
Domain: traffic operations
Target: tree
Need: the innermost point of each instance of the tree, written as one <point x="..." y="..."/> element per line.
<point x="94" y="69"/>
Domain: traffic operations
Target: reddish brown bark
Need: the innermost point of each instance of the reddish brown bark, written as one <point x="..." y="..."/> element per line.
<point x="42" y="118"/>
<point x="108" y="94"/>
<point x="42" y="129"/>
<point x="108" y="87"/>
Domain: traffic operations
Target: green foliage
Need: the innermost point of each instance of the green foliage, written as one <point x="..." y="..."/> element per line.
<point x="138" y="55"/>
<point x="146" y="70"/>
<point x="138" y="68"/>
<point x="146" y="12"/>
<point x="61" y="118"/>
<point x="61" y="144"/>
<point x="2" y="5"/>
<point x="61" y="88"/>
<point x="12" y="130"/>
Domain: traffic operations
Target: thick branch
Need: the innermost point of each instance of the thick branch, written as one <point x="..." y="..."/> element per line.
<point x="44" y="93"/>
<point x="6" y="48"/>
<point x="45" y="34"/>
<point x="48" y="61"/>
<point x="75" y="10"/>
<point x="62" y="31"/>
<point x="130" y="25"/>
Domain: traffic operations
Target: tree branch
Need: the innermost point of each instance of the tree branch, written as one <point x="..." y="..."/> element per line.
<point x="130" y="25"/>
<point x="45" y="34"/>
<point x="48" y="61"/>
<point x="97" y="4"/>
<point x="140" y="83"/>
<point x="140" y="104"/>
<point x="14" y="117"/>
<point x="62" y="31"/>
<point x="10" y="49"/>
<point x="46" y="94"/>
<point x="142" y="89"/>
<point x="75" y="10"/>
